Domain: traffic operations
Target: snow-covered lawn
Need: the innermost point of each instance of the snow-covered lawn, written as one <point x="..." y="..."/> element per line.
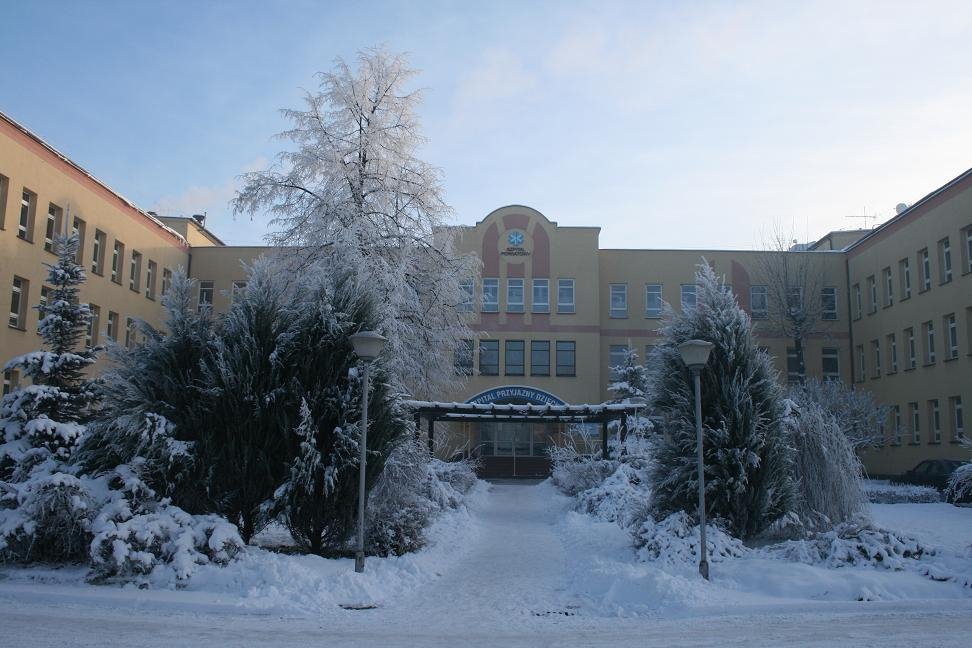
<point x="516" y="569"/>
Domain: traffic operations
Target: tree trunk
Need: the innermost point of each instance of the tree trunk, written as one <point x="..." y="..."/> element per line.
<point x="801" y="363"/>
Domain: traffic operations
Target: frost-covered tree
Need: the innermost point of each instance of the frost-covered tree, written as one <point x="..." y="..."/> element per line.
<point x="858" y="412"/>
<point x="46" y="415"/>
<point x="353" y="195"/>
<point x="630" y="378"/>
<point x="152" y="401"/>
<point x="747" y="465"/>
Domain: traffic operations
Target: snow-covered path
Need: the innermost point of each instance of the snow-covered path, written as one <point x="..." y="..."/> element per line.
<point x="518" y="571"/>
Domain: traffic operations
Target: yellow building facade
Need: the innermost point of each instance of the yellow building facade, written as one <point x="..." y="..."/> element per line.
<point x="552" y="310"/>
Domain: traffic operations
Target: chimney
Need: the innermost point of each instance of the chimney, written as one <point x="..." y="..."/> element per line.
<point x="200" y="218"/>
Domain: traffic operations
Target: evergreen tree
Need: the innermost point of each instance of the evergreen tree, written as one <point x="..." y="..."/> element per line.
<point x="44" y="419"/>
<point x="746" y="455"/>
<point x="630" y="378"/>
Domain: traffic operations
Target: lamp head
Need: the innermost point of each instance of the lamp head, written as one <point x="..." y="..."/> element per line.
<point x="695" y="353"/>
<point x="368" y="344"/>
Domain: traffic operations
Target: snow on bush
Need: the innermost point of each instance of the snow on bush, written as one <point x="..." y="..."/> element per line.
<point x="882" y="492"/>
<point x="959" y="489"/>
<point x="853" y="543"/>
<point x="859" y="414"/>
<point x="620" y="498"/>
<point x="574" y="472"/>
<point x="674" y="541"/>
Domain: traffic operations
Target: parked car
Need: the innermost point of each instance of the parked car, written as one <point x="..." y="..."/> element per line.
<point x="930" y="472"/>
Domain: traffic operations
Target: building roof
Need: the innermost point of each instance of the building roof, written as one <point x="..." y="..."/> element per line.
<point x="39" y="145"/>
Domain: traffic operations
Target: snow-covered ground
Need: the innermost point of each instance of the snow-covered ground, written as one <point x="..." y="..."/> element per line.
<point x="516" y="569"/>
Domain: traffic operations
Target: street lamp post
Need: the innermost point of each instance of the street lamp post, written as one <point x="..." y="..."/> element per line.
<point x="695" y="354"/>
<point x="367" y="346"/>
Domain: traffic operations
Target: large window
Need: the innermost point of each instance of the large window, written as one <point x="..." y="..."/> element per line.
<point x="688" y="296"/>
<point x="876" y="354"/>
<point x="514" y="295"/>
<point x="951" y="333"/>
<point x="489" y="357"/>
<point x="616" y="354"/>
<point x="206" y="290"/>
<point x="540" y="358"/>
<point x="514" y="357"/>
<point x="19" y="292"/>
<point x="117" y="259"/>
<point x="915" y="422"/>
<point x="909" y="334"/>
<point x="929" y="334"/>
<point x="98" y="252"/>
<point x="944" y="260"/>
<point x="490" y="295"/>
<point x="653" y="300"/>
<point x="892" y="354"/>
<point x="619" y="300"/>
<point x="566" y="358"/>
<point x="830" y="363"/>
<point x="924" y="262"/>
<point x="828" y="303"/>
<point x="904" y="272"/>
<point x="467" y="296"/>
<point x="759" y="302"/>
<point x="53" y="226"/>
<point x="150" y="274"/>
<point x="565" y="296"/>
<point x="935" y="421"/>
<point x="464" y="358"/>
<point x="135" y="271"/>
<point x="541" y="296"/>
<point x="25" y="226"/>
<point x="888" y="288"/>
<point x="958" y="424"/>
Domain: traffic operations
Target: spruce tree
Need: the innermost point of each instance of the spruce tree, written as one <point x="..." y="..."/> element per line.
<point x="746" y="454"/>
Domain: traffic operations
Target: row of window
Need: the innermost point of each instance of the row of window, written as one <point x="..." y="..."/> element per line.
<point x="515" y="357"/>
<point x="903" y="291"/>
<point x="886" y="359"/>
<point x="515" y="294"/>
<point x="933" y="418"/>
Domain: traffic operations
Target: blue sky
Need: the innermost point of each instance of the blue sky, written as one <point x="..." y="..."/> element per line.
<point x="669" y="124"/>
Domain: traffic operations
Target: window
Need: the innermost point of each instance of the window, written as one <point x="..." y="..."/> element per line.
<point x="205" y="294"/>
<point x="793" y="374"/>
<point x="944" y="261"/>
<point x="828" y="303"/>
<point x="541" y="296"/>
<point x="653" y="300"/>
<point x="514" y="295"/>
<point x="896" y="415"/>
<point x="759" y="302"/>
<point x="129" y="333"/>
<point x="464" y="358"/>
<point x="951" y="333"/>
<point x="616" y="355"/>
<point x="117" y="259"/>
<point x="872" y="295"/>
<point x="112" y="329"/>
<point x="4" y="187"/>
<point x="166" y="281"/>
<point x="958" y="424"/>
<point x="540" y="358"/>
<point x="19" y="292"/>
<point x="924" y="262"/>
<point x="25" y="226"/>
<point x="98" y="252"/>
<point x="9" y="381"/>
<point x="888" y="288"/>
<point x="904" y="273"/>
<point x="892" y="354"/>
<point x="912" y="351"/>
<point x="794" y="299"/>
<point x="238" y="287"/>
<point x="489" y="357"/>
<point x="876" y="354"/>
<point x="566" y="358"/>
<point x="929" y="331"/>
<point x="688" y="296"/>
<point x="915" y="423"/>
<point x="858" y="305"/>
<point x="467" y="296"/>
<point x="565" y="296"/>
<point x="935" y="421"/>
<point x="968" y="246"/>
<point x="91" y="335"/>
<point x="514" y="357"/>
<point x="77" y="228"/>
<point x="861" y="371"/>
<point x="830" y="363"/>
<point x="150" y="273"/>
<point x="135" y="271"/>
<point x="490" y="295"/>
<point x="53" y="226"/>
<point x="619" y="300"/>
<point x="42" y="303"/>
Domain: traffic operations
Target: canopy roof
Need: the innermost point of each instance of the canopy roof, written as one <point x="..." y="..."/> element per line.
<point x="527" y="412"/>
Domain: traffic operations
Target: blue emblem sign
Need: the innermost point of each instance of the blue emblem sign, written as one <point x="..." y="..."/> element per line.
<point x="516" y="393"/>
<point x="515" y="238"/>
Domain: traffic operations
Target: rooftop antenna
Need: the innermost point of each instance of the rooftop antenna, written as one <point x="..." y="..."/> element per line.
<point x="864" y="215"/>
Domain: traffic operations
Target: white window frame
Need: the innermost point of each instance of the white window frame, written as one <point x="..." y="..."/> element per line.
<point x="688" y="289"/>
<point x="467" y="296"/>
<point x="892" y="353"/>
<point x="876" y="350"/>
<point x="166" y="281"/>
<point x="951" y="329"/>
<point x="936" y="420"/>
<point x="872" y="294"/>
<point x="926" y="282"/>
<point x="17" y="290"/>
<point x="897" y="424"/>
<point x="862" y="369"/>
<point x="912" y="348"/>
<point x="888" y="287"/>
<point x="945" y="249"/>
<point x="540" y="302"/>
<point x="51" y="229"/>
<point x="968" y="249"/>
<point x="564" y="306"/>
<point x="958" y="418"/>
<point x="905" y="267"/>
<point x="930" y="342"/>
<point x="829" y="315"/>
<point x="27" y="201"/>
<point x="915" y="422"/>
<point x="858" y="301"/>
<point x="652" y="291"/>
<point x="206" y="287"/>
<point x="514" y="304"/>
<point x="490" y="289"/>
<point x="830" y="353"/>
<point x="117" y="259"/>
<point x="763" y="311"/>
<point x="618" y="295"/>
<point x="613" y="360"/>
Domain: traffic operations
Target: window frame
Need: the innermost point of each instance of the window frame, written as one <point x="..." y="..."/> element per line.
<point x="463" y="361"/>
<point x="541" y="285"/>
<point x="565" y="307"/>
<point x="511" y="305"/>
<point x="569" y="349"/>
<point x="487" y="347"/>
<point x="831" y="314"/>
<point x="135" y="271"/>
<point x="490" y="287"/>
<point x="688" y="289"/>
<point x="830" y="354"/>
<point x="537" y="346"/>
<point x="20" y="287"/>
<point x="467" y="296"/>
<point x="117" y="261"/>
<point x="206" y="287"/>
<point x="652" y="312"/>
<point x="28" y="213"/>
<point x="509" y="352"/>
<point x="619" y="290"/>
<point x="52" y="226"/>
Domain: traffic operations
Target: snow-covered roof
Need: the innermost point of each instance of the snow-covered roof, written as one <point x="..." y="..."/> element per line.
<point x="91" y="178"/>
<point x="499" y="411"/>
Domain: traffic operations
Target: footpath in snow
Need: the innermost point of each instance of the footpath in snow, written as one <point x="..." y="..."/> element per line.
<point x="515" y="569"/>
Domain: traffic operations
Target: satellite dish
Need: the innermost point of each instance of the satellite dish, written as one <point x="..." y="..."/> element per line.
<point x="900" y="207"/>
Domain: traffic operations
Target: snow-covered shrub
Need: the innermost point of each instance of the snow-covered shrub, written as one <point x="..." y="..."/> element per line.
<point x="748" y="481"/>
<point x="881" y="492"/>
<point x="959" y="489"/>
<point x="411" y="491"/>
<point x="859" y="414"/>
<point x="852" y="543"/>
<point x="828" y="476"/>
<point x="622" y="497"/>
<point x="675" y="541"/>
<point x="50" y="519"/>
<point x="573" y="472"/>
